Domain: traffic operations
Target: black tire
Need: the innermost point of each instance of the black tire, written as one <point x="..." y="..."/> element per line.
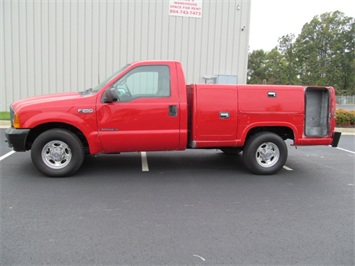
<point x="57" y="153"/>
<point x="265" y="153"/>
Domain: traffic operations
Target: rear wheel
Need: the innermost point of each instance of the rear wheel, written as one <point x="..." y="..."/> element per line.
<point x="57" y="153"/>
<point x="265" y="153"/>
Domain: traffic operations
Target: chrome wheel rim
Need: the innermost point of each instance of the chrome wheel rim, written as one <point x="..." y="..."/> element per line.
<point x="56" y="154"/>
<point x="267" y="154"/>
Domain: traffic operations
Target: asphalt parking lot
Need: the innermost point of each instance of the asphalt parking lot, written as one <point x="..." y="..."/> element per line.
<point x="180" y="208"/>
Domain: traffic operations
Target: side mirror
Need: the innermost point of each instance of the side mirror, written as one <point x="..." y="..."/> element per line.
<point x="110" y="96"/>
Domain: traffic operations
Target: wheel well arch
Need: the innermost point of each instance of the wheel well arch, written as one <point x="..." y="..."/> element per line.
<point x="282" y="131"/>
<point x="36" y="131"/>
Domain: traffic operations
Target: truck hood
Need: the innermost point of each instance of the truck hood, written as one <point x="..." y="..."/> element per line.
<point x="46" y="99"/>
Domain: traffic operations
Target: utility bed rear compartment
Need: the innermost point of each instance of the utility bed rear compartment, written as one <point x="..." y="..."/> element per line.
<point x="317" y="110"/>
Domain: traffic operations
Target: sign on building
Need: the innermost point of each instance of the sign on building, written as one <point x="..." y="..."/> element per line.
<point x="185" y="8"/>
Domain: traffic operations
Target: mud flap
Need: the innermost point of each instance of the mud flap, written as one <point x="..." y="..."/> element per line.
<point x="336" y="139"/>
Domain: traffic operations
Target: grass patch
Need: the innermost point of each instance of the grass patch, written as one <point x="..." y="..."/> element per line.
<point x="4" y="115"/>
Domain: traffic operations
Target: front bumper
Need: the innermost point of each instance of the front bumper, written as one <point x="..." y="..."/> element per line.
<point x="16" y="138"/>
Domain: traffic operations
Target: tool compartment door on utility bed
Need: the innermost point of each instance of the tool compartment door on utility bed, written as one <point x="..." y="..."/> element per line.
<point x="213" y="117"/>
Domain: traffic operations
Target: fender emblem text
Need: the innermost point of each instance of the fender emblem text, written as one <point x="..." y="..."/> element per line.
<point x="85" y="111"/>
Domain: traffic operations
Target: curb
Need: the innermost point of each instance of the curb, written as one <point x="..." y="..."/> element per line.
<point x="345" y="130"/>
<point x="4" y="124"/>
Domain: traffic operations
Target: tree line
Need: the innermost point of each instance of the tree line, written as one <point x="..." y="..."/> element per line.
<point x="322" y="54"/>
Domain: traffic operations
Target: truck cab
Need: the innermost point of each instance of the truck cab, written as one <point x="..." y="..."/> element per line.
<point x="147" y="101"/>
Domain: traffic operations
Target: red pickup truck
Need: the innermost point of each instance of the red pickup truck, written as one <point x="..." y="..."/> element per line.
<point x="146" y="106"/>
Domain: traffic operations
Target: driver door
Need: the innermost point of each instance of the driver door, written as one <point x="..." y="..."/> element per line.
<point x="145" y="116"/>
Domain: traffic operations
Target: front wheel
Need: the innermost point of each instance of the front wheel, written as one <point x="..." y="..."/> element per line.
<point x="265" y="153"/>
<point x="57" y="153"/>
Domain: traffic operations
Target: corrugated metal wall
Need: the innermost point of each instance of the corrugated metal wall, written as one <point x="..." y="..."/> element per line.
<point x="49" y="46"/>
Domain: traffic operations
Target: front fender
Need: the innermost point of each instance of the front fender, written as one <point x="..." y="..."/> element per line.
<point x="86" y="123"/>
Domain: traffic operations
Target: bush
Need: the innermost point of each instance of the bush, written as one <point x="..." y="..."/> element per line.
<point x="345" y="118"/>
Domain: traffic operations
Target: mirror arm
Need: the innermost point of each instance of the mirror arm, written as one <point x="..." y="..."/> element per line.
<point x="109" y="96"/>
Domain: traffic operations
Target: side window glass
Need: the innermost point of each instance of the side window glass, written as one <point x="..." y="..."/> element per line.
<point x="144" y="82"/>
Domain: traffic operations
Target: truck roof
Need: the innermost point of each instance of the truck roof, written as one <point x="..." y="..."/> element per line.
<point x="155" y="62"/>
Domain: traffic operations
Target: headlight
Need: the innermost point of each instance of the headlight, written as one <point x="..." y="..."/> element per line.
<point x="15" y="120"/>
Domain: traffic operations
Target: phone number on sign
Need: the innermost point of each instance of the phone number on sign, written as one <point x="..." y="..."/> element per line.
<point x="185" y="12"/>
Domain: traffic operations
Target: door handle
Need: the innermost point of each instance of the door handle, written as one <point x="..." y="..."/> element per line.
<point x="172" y="110"/>
<point x="271" y="94"/>
<point x="224" y="115"/>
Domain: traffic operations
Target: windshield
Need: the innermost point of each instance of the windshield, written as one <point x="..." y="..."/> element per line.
<point x="103" y="83"/>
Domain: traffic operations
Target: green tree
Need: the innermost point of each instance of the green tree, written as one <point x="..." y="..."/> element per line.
<point x="256" y="67"/>
<point x="267" y="67"/>
<point x="325" y="51"/>
<point x="322" y="54"/>
<point x="287" y="50"/>
<point x="276" y="66"/>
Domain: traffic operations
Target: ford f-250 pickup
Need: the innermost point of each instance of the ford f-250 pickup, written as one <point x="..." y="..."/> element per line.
<point x="146" y="106"/>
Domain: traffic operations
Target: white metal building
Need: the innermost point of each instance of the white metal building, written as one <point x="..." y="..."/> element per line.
<point x="49" y="46"/>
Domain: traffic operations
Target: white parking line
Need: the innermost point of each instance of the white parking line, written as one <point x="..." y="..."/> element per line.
<point x="6" y="155"/>
<point x="287" y="168"/>
<point x="345" y="150"/>
<point x="197" y="256"/>
<point x="145" y="167"/>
